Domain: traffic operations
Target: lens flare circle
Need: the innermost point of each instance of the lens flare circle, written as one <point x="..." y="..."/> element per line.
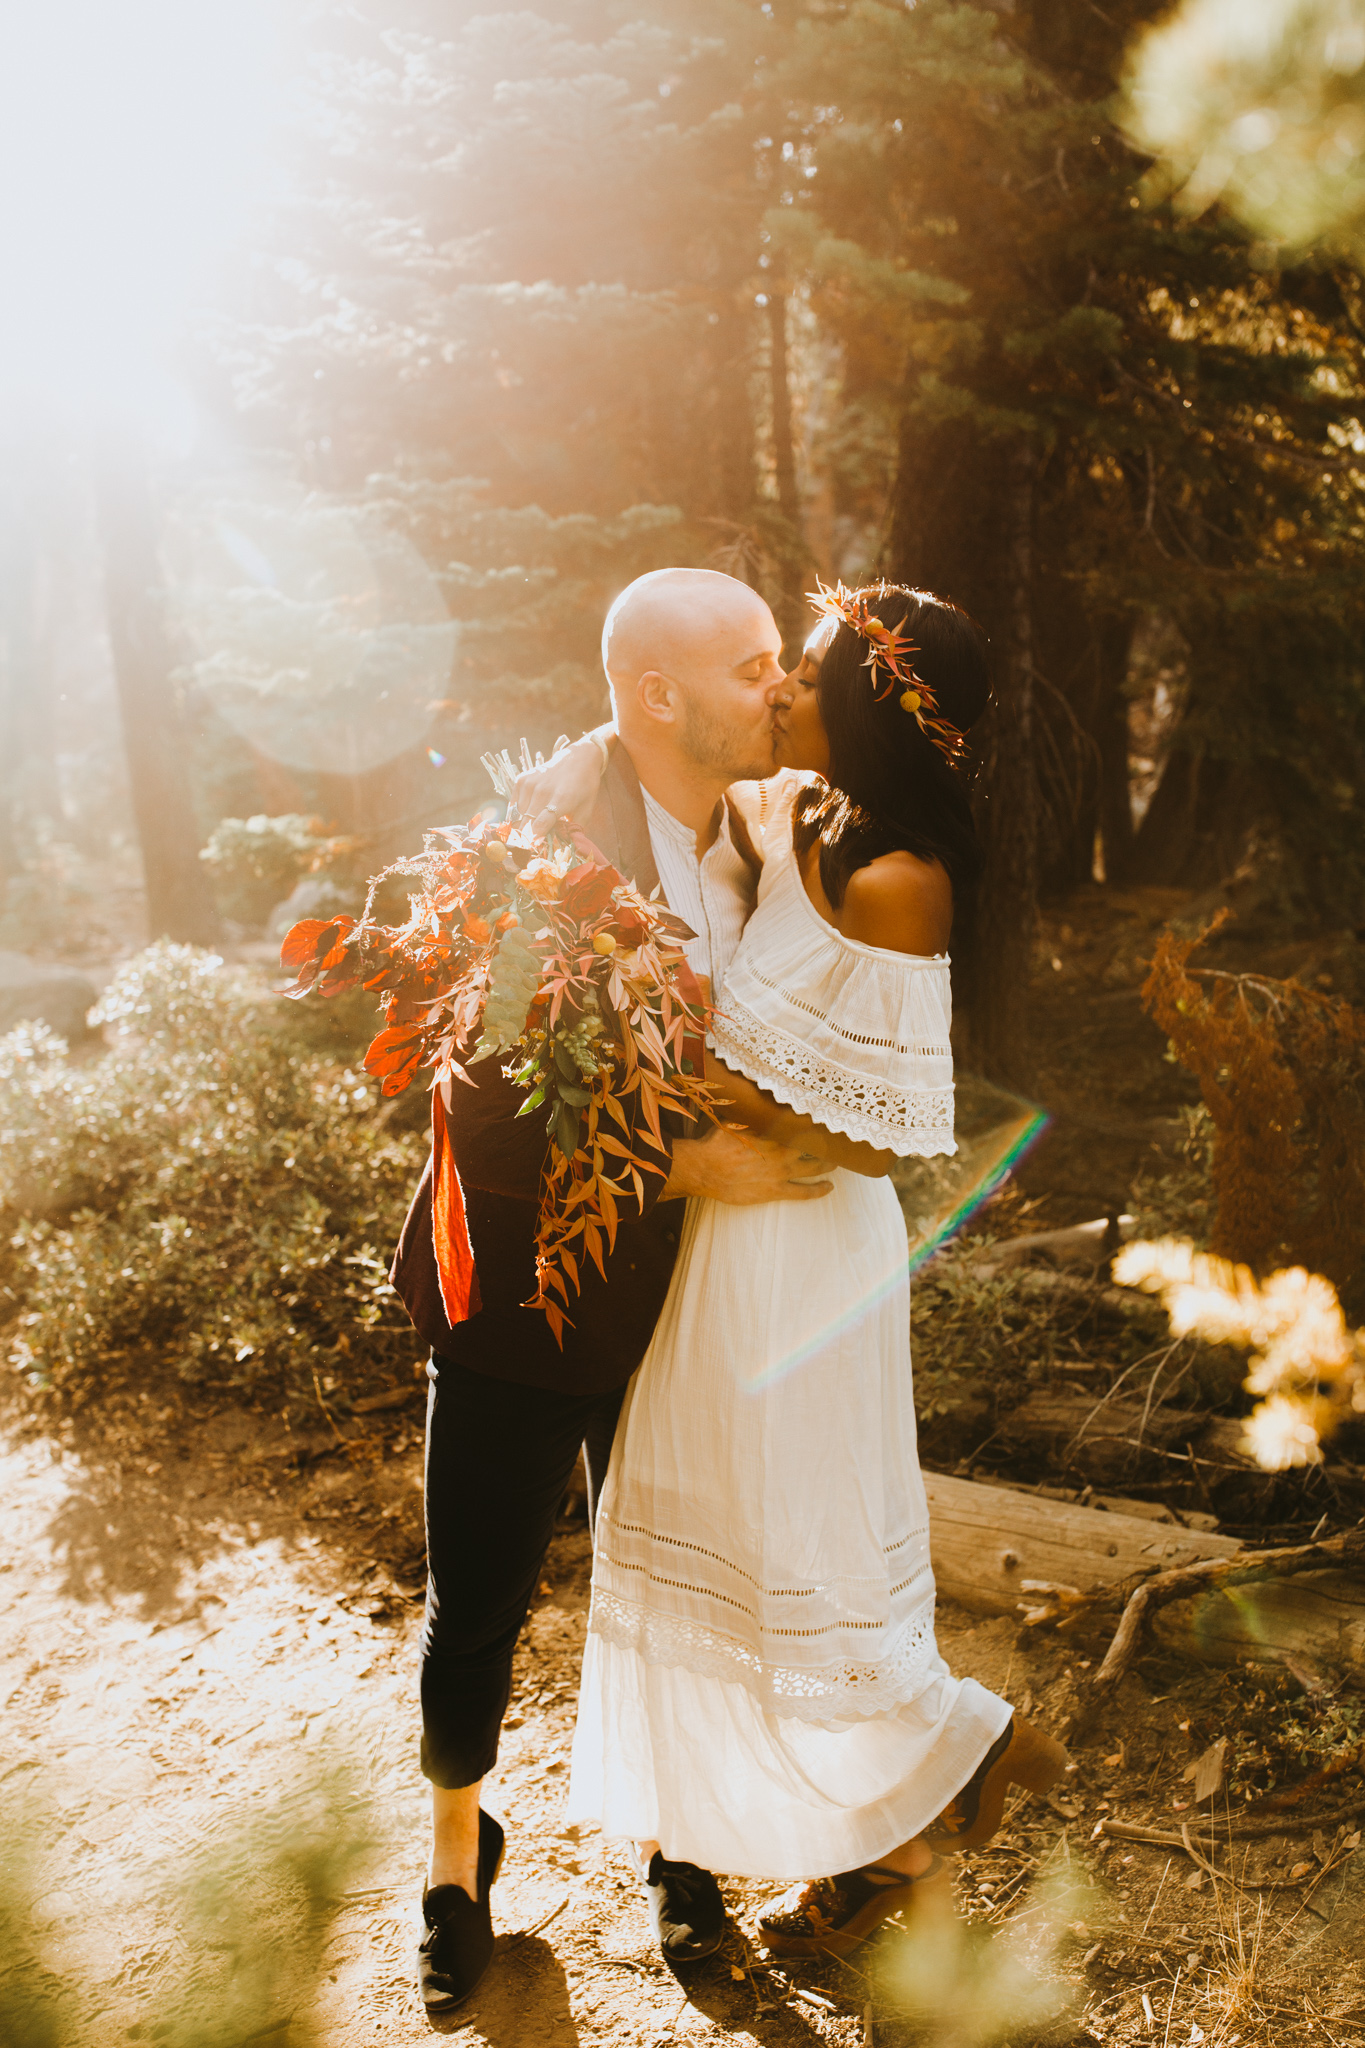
<point x="319" y="633"/>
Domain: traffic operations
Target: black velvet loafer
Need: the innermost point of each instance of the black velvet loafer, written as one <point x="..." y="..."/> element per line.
<point x="458" y="1944"/>
<point x="686" y="1909"/>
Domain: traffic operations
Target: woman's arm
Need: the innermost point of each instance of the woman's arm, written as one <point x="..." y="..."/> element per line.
<point x="768" y="1118"/>
<point x="566" y="787"/>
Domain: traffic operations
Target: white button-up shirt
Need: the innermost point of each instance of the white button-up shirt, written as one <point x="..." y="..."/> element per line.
<point x="715" y="894"/>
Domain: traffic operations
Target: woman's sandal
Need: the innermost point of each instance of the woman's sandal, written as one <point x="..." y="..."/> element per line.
<point x="836" y="1915"/>
<point x="1022" y="1756"/>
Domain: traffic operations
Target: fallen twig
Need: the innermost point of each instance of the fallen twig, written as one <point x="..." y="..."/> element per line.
<point x="1247" y="1831"/>
<point x="1273" y="1802"/>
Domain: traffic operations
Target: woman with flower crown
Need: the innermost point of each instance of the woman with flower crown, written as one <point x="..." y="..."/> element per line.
<point x="762" y="1692"/>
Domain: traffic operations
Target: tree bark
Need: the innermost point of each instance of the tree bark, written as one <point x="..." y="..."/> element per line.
<point x="732" y="419"/>
<point x="962" y="525"/>
<point x="179" y="903"/>
<point x="1007" y="906"/>
<point x="784" y="452"/>
<point x="789" y="604"/>
<point x="1113" y="640"/>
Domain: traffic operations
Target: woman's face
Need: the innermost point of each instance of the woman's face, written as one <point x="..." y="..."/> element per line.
<point x="802" y="741"/>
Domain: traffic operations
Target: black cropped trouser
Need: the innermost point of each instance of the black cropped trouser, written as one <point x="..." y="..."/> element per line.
<point x="499" y="1457"/>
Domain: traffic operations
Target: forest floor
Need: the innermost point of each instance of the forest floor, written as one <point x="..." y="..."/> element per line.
<point x="197" y="1635"/>
<point x="208" y="1638"/>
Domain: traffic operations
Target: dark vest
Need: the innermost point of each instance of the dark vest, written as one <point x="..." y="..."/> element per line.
<point x="499" y="1157"/>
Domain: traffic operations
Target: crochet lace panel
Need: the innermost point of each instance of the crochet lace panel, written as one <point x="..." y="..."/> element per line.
<point x="850" y="1646"/>
<point x="843" y="1689"/>
<point x="916" y="1121"/>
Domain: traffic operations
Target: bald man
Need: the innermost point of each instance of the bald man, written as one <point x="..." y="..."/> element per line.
<point x="693" y="661"/>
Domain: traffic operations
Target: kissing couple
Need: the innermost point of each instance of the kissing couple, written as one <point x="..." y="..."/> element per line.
<point x="762" y="1693"/>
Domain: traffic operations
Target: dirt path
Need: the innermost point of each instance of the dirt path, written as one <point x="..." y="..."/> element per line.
<point x="209" y="1659"/>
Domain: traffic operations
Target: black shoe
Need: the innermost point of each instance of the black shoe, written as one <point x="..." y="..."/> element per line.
<point x="458" y="1944"/>
<point x="686" y="1909"/>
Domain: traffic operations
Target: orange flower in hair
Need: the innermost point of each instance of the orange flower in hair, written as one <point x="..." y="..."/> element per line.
<point x="891" y="648"/>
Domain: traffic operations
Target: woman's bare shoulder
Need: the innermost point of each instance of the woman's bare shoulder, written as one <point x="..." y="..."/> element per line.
<point x="901" y="903"/>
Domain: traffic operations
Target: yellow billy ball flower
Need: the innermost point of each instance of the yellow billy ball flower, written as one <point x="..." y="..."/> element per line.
<point x="604" y="943"/>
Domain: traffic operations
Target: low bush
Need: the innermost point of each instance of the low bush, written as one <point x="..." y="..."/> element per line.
<point x="1281" y="1069"/>
<point x="1178" y="1202"/>
<point x="212" y="1193"/>
<point x="255" y="862"/>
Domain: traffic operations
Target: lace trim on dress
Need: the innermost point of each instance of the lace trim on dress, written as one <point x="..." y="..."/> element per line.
<point x="918" y="1122"/>
<point x="842" y="1690"/>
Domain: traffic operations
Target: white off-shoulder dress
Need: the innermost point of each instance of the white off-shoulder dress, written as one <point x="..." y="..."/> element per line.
<point x="762" y="1691"/>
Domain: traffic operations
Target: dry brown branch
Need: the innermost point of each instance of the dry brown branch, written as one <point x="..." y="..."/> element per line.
<point x="1348" y="1548"/>
<point x="1241" y="1831"/>
<point x="1211" y="1575"/>
<point x="1275" y="1802"/>
<point x="1303" y="1880"/>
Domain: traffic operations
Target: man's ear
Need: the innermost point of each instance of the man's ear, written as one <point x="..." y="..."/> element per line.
<point x="659" y="696"/>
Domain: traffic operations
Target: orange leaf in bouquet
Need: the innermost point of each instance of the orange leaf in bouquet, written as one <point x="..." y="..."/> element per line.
<point x="555" y="965"/>
<point x="395" y="1055"/>
<point x="313" y="948"/>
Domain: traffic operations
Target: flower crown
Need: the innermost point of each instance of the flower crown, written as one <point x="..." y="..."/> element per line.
<point x="894" y="650"/>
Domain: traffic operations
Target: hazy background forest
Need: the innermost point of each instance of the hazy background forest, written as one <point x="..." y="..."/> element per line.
<point x="361" y="354"/>
<point x="355" y="353"/>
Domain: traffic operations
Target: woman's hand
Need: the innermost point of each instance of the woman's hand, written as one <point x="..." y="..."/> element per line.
<point x="566" y="787"/>
<point x="773" y="1120"/>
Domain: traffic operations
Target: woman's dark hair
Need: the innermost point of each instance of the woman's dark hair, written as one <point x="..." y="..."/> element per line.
<point x="889" y="785"/>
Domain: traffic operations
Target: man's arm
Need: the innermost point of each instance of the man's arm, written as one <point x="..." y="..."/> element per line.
<point x="498" y="1151"/>
<point x="566" y="787"/>
<point x="742" y="1169"/>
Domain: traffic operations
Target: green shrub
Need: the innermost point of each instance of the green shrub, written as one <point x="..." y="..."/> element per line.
<point x="210" y="1193"/>
<point x="1179" y="1202"/>
<point x="255" y="862"/>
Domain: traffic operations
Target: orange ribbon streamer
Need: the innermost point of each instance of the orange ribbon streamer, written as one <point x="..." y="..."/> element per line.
<point x="449" y="1224"/>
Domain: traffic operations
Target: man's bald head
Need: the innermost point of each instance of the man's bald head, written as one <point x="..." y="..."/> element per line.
<point x="691" y="656"/>
<point x="670" y="617"/>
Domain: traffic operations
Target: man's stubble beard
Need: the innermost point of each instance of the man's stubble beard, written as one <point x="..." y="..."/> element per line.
<point x="716" y="748"/>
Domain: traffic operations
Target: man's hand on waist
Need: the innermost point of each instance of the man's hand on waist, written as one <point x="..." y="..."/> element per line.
<point x="733" y="1166"/>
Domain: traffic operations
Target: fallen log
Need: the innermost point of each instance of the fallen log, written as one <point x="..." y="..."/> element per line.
<point x="1123" y="1301"/>
<point x="1255" y="1570"/>
<point x="999" y="1552"/>
<point x="986" y="1541"/>
<point x="1104" y="1439"/>
<point x="1083" y="1244"/>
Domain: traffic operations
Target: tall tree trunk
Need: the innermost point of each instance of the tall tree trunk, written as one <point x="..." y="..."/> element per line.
<point x="1113" y="641"/>
<point x="733" y="420"/>
<point x="784" y="453"/>
<point x="790" y="608"/>
<point x="29" y="790"/>
<point x="1163" y="846"/>
<point x="1007" y="908"/>
<point x="962" y="524"/>
<point x="179" y="903"/>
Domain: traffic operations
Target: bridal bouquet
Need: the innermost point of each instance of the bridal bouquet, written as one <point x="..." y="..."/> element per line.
<point x="546" y="956"/>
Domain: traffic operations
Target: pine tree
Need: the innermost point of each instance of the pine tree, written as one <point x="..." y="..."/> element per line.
<point x="513" y="305"/>
<point x="1098" y="410"/>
